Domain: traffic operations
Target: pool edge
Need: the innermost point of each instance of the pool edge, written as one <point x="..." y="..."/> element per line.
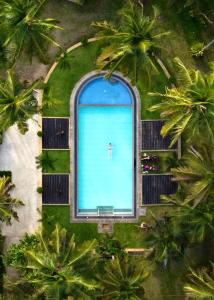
<point x="137" y="199"/>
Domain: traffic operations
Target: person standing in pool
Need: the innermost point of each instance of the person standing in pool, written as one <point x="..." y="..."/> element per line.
<point x="110" y="150"/>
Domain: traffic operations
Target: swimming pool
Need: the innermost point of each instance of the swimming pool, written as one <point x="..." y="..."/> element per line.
<point x="105" y="148"/>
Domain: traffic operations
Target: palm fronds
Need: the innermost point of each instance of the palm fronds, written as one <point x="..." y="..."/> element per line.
<point x="17" y="104"/>
<point x="134" y="42"/>
<point x="188" y="107"/>
<point x="201" y="284"/>
<point x="8" y="205"/>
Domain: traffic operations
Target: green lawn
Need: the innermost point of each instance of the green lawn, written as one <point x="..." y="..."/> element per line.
<point x="129" y="234"/>
<point x="61" y="160"/>
<point x="53" y="214"/>
<point x="62" y="81"/>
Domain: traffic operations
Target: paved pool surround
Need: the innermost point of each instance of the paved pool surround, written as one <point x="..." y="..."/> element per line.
<point x="137" y="190"/>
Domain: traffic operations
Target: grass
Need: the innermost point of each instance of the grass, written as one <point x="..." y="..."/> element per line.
<point x="129" y="234"/>
<point x="60" y="214"/>
<point x="84" y="58"/>
<point x="63" y="81"/>
<point x="61" y="160"/>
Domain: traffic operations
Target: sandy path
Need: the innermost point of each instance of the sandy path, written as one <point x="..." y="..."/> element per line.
<point x="17" y="153"/>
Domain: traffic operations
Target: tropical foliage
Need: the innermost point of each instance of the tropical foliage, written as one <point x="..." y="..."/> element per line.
<point x="49" y="101"/>
<point x="45" y="162"/>
<point x="166" y="240"/>
<point x="197" y="222"/>
<point x="25" y="30"/>
<point x="201" y="284"/>
<point x="108" y="246"/>
<point x="196" y="173"/>
<point x="133" y="45"/>
<point x="17" y="104"/>
<point x="188" y="107"/>
<point x="57" y="268"/>
<point x="16" y="252"/>
<point x="123" y="280"/>
<point x="8" y="205"/>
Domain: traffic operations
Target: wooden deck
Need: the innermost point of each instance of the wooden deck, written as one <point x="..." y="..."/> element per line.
<point x="153" y="186"/>
<point x="55" y="189"/>
<point x="151" y="137"/>
<point x="55" y="133"/>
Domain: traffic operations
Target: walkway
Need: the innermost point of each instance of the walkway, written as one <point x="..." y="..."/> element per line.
<point x="17" y="154"/>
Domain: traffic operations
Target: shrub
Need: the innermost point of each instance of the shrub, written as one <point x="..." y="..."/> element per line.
<point x="39" y="133"/>
<point x="16" y="252"/>
<point x="39" y="190"/>
<point x="109" y="246"/>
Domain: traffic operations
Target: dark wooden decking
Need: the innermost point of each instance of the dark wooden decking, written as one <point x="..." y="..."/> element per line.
<point x="55" y="133"/>
<point x="55" y="189"/>
<point x="151" y="137"/>
<point x="153" y="186"/>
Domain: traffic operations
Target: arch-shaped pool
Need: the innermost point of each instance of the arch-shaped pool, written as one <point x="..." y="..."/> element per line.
<point x="105" y="148"/>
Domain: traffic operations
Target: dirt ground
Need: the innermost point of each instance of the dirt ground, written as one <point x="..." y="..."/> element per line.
<point x="76" y="23"/>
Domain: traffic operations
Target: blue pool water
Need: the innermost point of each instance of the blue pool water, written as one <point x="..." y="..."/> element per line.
<point x="105" y="178"/>
<point x="102" y="91"/>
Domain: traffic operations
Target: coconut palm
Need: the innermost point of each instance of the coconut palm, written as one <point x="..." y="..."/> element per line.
<point x="166" y="240"/>
<point x="25" y="30"/>
<point x="197" y="221"/>
<point x="196" y="173"/>
<point x="188" y="107"/>
<point x="123" y="280"/>
<point x="132" y="45"/>
<point x="201" y="284"/>
<point x="57" y="268"/>
<point x="17" y="104"/>
<point x="8" y="205"/>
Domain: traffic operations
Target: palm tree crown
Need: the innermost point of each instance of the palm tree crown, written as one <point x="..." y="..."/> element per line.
<point x="17" y="104"/>
<point x="57" y="268"/>
<point x="133" y="43"/>
<point x="197" y="221"/>
<point x="25" y="29"/>
<point x="123" y="280"/>
<point x="166" y="240"/>
<point x="189" y="107"/>
<point x="201" y="285"/>
<point x="196" y="174"/>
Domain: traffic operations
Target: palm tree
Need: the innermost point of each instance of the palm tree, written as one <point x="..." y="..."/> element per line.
<point x="196" y="173"/>
<point x="123" y="280"/>
<point x="201" y="285"/>
<point x="132" y="45"/>
<point x="17" y="104"/>
<point x="166" y="240"/>
<point x="25" y="30"/>
<point x="8" y="205"/>
<point x="57" y="268"/>
<point x="188" y="107"/>
<point x="197" y="221"/>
